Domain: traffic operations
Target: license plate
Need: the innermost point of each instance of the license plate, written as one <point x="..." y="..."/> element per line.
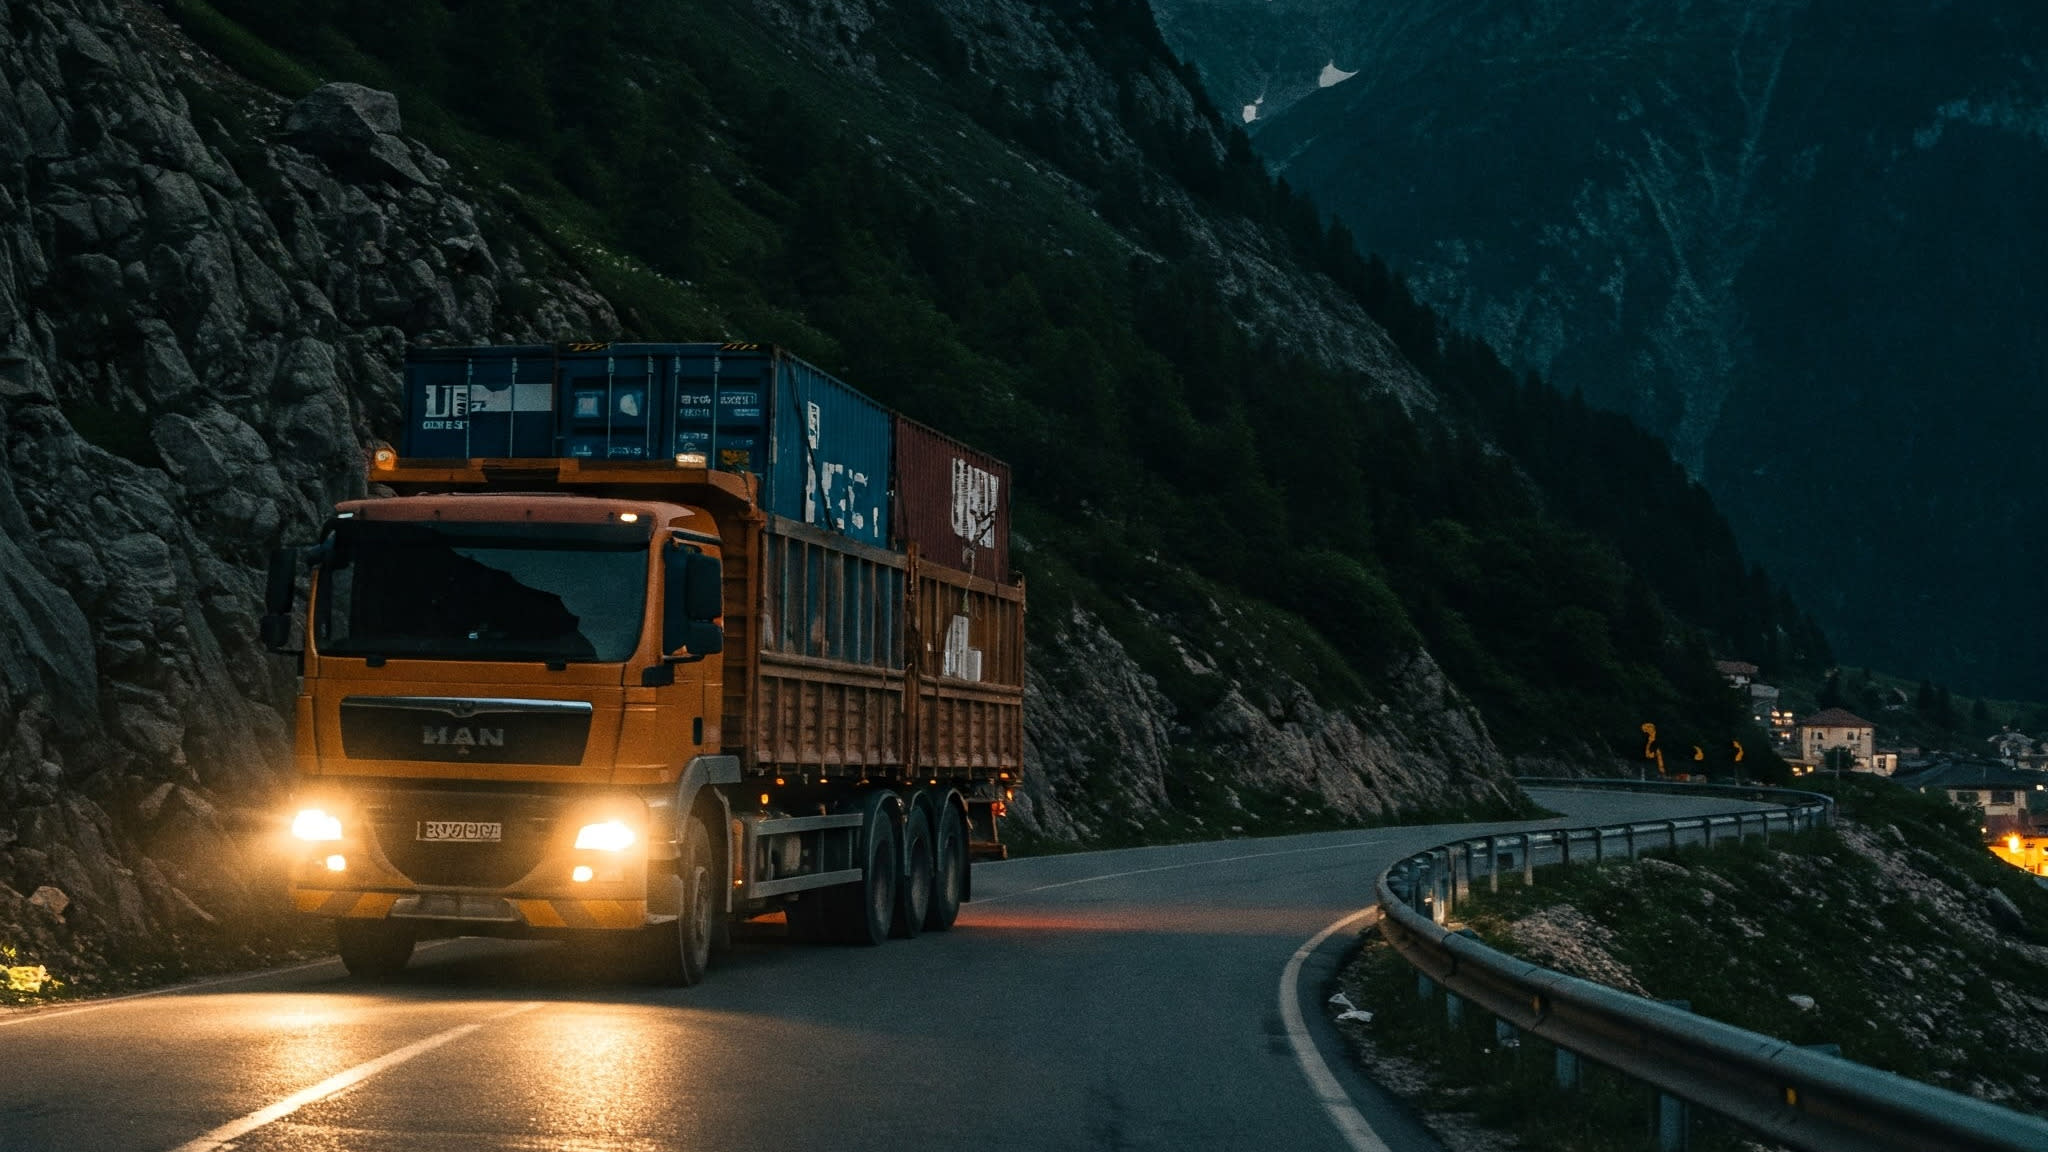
<point x="461" y="831"/>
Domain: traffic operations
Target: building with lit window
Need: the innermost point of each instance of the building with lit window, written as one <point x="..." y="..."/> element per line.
<point x="1837" y="728"/>
<point x="2002" y="793"/>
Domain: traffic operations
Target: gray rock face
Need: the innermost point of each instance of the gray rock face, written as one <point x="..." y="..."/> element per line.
<point x="354" y="126"/>
<point x="197" y="350"/>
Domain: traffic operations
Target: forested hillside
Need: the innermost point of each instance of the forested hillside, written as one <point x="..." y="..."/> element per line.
<point x="996" y="261"/>
<point x="1795" y="238"/>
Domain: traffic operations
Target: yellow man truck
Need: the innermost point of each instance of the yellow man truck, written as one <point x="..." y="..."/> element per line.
<point x="640" y="641"/>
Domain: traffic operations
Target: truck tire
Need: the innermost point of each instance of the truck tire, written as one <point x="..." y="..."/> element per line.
<point x="679" y="953"/>
<point x="374" y="949"/>
<point x="914" y="890"/>
<point x="949" y="871"/>
<point x="866" y="911"/>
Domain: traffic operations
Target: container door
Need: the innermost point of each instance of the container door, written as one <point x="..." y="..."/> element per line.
<point x="720" y="407"/>
<point x="832" y="451"/>
<point x="491" y="405"/>
<point x="610" y="405"/>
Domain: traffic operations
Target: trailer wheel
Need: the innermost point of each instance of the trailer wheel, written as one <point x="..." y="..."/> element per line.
<point x="374" y="949"/>
<point x="679" y="953"/>
<point x="866" y="912"/>
<point x="914" y="891"/>
<point x="949" y="875"/>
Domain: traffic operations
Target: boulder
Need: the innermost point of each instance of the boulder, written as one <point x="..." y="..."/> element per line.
<point x="50" y="899"/>
<point x="356" y="129"/>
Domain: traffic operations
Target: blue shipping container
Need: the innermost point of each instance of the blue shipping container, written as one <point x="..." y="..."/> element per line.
<point x="822" y="450"/>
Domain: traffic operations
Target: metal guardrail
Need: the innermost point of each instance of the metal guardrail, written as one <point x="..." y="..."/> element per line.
<point x="1803" y="1098"/>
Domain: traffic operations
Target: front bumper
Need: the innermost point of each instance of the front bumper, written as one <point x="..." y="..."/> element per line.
<point x="521" y="877"/>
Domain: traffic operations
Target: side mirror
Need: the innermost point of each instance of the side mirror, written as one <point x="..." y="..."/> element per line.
<point x="704" y="588"/>
<point x="284" y="582"/>
<point x="275" y="628"/>
<point x="693" y="597"/>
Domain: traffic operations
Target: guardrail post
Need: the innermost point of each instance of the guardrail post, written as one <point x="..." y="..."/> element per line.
<point x="1564" y="848"/>
<point x="1440" y="887"/>
<point x="1492" y="865"/>
<point x="1674" y="1124"/>
<point x="1566" y="1069"/>
<point x="1454" y="1010"/>
<point x="1671" y="826"/>
<point x="1599" y="846"/>
<point x="1528" y="860"/>
<point x="1628" y="831"/>
<point x="1461" y="877"/>
<point x="1424" y="987"/>
<point x="1506" y="1037"/>
<point x="1707" y="830"/>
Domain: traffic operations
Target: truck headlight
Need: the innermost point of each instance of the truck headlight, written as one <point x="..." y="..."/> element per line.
<point x="610" y="836"/>
<point x="316" y="824"/>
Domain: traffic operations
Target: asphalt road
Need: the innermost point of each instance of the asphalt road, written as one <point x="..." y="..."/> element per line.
<point x="1114" y="1000"/>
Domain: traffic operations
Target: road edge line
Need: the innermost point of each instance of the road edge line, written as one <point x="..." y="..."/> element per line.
<point x="32" y="1015"/>
<point x="1351" y="1123"/>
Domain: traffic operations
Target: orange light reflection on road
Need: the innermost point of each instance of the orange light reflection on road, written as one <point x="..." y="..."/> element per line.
<point x="606" y="1068"/>
<point x="1186" y="920"/>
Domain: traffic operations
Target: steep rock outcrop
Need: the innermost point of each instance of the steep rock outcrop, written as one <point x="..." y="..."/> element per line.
<point x="198" y="343"/>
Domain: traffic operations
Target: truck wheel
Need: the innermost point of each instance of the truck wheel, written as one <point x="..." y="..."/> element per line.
<point x="373" y="949"/>
<point x="949" y="875"/>
<point x="914" y="892"/>
<point x="679" y="953"/>
<point x="866" y="911"/>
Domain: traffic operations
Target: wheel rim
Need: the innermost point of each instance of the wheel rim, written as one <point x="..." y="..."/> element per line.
<point x="920" y="886"/>
<point x="699" y="928"/>
<point x="954" y="874"/>
<point x="881" y="891"/>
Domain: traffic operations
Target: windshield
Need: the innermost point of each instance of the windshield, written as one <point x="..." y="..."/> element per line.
<point x="483" y="591"/>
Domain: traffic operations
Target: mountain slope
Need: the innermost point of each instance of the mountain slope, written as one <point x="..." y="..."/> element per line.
<point x="1795" y="238"/>
<point x="1277" y="579"/>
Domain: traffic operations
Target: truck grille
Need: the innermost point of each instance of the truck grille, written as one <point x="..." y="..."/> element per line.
<point x="525" y="824"/>
<point x="464" y="730"/>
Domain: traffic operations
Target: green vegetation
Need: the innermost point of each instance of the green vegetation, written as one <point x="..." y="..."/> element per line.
<point x="1467" y="1071"/>
<point x="1886" y="923"/>
<point x="1918" y="715"/>
<point x="910" y="237"/>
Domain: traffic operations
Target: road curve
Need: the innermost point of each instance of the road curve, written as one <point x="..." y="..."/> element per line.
<point x="1115" y="1000"/>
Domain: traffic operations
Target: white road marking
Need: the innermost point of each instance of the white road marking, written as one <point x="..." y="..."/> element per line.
<point x="1344" y="1114"/>
<point x="224" y="1135"/>
<point x="35" y="1016"/>
<point x="1367" y="843"/>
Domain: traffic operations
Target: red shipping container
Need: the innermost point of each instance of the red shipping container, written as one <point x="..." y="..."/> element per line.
<point x="952" y="501"/>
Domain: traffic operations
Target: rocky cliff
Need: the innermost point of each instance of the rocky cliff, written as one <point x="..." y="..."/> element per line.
<point x="204" y="293"/>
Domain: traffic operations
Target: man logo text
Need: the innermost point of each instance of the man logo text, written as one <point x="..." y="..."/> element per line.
<point x="463" y="737"/>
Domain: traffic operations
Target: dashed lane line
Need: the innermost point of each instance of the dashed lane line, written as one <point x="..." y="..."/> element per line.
<point x="226" y="1134"/>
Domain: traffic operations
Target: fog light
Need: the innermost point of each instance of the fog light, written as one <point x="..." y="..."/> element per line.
<point x="582" y="874"/>
<point x="610" y="836"/>
<point x="337" y="863"/>
<point x="316" y="824"/>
